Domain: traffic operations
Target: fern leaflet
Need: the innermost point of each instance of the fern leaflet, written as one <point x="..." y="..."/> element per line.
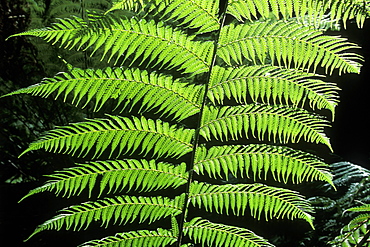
<point x="120" y="210"/>
<point x="118" y="133"/>
<point x="213" y="234"/>
<point x="259" y="160"/>
<point x="115" y="175"/>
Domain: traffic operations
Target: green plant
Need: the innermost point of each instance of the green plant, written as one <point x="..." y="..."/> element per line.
<point x="337" y="212"/>
<point x="356" y="232"/>
<point x="203" y="92"/>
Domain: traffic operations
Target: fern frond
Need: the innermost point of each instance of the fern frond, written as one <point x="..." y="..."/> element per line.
<point x="213" y="234"/>
<point x="67" y="8"/>
<point x="288" y="44"/>
<point x="141" y="175"/>
<point x="261" y="160"/>
<point x="121" y="134"/>
<point x="174" y="226"/>
<point x="358" y="221"/>
<point x="120" y="210"/>
<point x="131" y="5"/>
<point x="271" y="83"/>
<point x="128" y="86"/>
<point x="152" y="42"/>
<point x="362" y="208"/>
<point x="253" y="9"/>
<point x="345" y="171"/>
<point x="354" y="232"/>
<point x="190" y="14"/>
<point x="63" y="32"/>
<point x="348" y="9"/>
<point x="158" y="238"/>
<point x="338" y="9"/>
<point x="193" y="14"/>
<point x="274" y="122"/>
<point x="263" y="200"/>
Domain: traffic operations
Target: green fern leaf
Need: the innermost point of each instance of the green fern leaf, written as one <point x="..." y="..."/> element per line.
<point x="66" y="9"/>
<point x="358" y="221"/>
<point x="260" y="160"/>
<point x="212" y="83"/>
<point x="158" y="238"/>
<point x="131" y="5"/>
<point x="63" y="8"/>
<point x="193" y="14"/>
<point x="348" y="9"/>
<point x="263" y="200"/>
<point x="213" y="234"/>
<point x="277" y="122"/>
<point x="174" y="226"/>
<point x="120" y="210"/>
<point x="155" y="42"/>
<point x="128" y="86"/>
<point x="338" y="9"/>
<point x="152" y="42"/>
<point x="118" y="133"/>
<point x="190" y="14"/>
<point x="271" y="84"/>
<point x="140" y="175"/>
<point x="353" y="233"/>
<point x="288" y="44"/>
<point x="63" y="32"/>
<point x="362" y="208"/>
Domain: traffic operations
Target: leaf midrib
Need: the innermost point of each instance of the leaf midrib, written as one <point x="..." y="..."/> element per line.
<point x="111" y="130"/>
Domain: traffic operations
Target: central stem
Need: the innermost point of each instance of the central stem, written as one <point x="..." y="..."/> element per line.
<point x="222" y="7"/>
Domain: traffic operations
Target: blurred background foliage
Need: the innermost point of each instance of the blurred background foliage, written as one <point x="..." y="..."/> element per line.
<point x="23" y="119"/>
<point x="25" y="61"/>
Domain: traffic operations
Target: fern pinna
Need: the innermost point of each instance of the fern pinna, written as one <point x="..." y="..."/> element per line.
<point x="203" y="92"/>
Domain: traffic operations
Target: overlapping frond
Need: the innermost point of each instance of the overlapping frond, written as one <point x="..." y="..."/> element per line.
<point x="201" y="14"/>
<point x="259" y="161"/>
<point x="67" y="8"/>
<point x="358" y="228"/>
<point x="133" y="5"/>
<point x="253" y="9"/>
<point x="346" y="171"/>
<point x="338" y="9"/>
<point x="117" y="210"/>
<point x="63" y="32"/>
<point x="288" y="44"/>
<point x="276" y="123"/>
<point x="120" y="134"/>
<point x="361" y="208"/>
<point x="348" y="9"/>
<point x="127" y="86"/>
<point x="141" y="175"/>
<point x="154" y="42"/>
<point x="266" y="201"/>
<point x="213" y="234"/>
<point x="271" y="85"/>
<point x="158" y="238"/>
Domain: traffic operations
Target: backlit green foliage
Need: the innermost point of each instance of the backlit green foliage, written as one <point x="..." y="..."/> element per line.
<point x="195" y="88"/>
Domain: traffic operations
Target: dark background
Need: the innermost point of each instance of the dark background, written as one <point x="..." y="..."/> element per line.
<point x="19" y="66"/>
<point x="350" y="131"/>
